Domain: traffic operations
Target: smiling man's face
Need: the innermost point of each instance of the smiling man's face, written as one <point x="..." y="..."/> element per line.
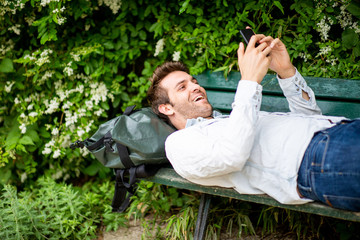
<point x="188" y="99"/>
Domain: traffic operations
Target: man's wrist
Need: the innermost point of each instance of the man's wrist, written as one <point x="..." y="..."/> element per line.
<point x="287" y="72"/>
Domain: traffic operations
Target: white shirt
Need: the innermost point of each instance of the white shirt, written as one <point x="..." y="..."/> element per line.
<point x="252" y="151"/>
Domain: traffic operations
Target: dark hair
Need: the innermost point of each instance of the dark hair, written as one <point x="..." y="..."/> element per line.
<point x="156" y="94"/>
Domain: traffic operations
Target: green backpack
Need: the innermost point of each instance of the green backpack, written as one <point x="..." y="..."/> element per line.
<point x="133" y="144"/>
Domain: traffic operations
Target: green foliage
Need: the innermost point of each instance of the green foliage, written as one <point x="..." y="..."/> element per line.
<point x="69" y="65"/>
<point x="66" y="66"/>
<point x="57" y="211"/>
<point x="51" y="212"/>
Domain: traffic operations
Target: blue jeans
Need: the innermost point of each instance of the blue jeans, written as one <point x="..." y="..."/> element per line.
<point x="330" y="169"/>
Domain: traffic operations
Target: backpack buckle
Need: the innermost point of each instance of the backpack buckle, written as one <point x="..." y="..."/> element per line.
<point x="108" y="144"/>
<point x="77" y="144"/>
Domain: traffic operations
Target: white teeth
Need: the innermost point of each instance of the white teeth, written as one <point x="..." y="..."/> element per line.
<point x="198" y="98"/>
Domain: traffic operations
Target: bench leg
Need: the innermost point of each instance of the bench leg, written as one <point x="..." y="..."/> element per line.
<point x="201" y="221"/>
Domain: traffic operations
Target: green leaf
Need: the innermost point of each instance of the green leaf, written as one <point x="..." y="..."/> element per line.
<point x="33" y="135"/>
<point x="354" y="8"/>
<point x="356" y="50"/>
<point x="184" y="6"/>
<point x="44" y="133"/>
<point x="349" y="38"/>
<point x="26" y="140"/>
<point x="109" y="45"/>
<point x="105" y="105"/>
<point x="87" y="69"/>
<point x="279" y="6"/>
<point x="6" y="65"/>
<point x="92" y="169"/>
<point x="142" y="35"/>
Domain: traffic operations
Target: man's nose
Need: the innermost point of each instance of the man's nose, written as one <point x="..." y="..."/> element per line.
<point x="195" y="87"/>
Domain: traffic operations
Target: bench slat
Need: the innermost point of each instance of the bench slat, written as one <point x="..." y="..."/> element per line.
<point x="222" y="101"/>
<point x="324" y="88"/>
<point x="167" y="176"/>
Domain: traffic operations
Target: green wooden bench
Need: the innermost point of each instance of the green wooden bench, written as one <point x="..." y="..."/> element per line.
<point x="335" y="97"/>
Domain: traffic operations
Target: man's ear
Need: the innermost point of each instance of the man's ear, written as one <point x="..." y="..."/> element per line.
<point x="166" y="109"/>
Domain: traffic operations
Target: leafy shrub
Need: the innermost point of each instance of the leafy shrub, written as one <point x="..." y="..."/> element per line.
<point x="69" y="65"/>
<point x="52" y="211"/>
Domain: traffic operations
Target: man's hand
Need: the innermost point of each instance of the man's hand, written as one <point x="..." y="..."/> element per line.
<point x="280" y="62"/>
<point x="254" y="62"/>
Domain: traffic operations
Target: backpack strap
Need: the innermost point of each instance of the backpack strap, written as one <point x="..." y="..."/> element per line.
<point x="125" y="188"/>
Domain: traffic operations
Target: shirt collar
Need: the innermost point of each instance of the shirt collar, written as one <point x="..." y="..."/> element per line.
<point x="194" y="121"/>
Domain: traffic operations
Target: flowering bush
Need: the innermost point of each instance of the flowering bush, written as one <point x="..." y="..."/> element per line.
<point x="66" y="66"/>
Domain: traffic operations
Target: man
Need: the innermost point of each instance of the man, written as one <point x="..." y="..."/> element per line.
<point x="294" y="157"/>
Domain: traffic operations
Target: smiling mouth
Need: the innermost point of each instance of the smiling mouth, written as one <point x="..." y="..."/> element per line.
<point x="198" y="98"/>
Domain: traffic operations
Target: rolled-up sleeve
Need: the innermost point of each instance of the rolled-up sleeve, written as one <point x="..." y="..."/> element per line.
<point x="292" y="88"/>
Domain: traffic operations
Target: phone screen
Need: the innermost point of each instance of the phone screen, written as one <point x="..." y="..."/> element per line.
<point x="246" y="34"/>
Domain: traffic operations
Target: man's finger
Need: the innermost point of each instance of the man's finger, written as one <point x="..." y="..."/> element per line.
<point x="240" y="51"/>
<point x="273" y="43"/>
<point x="267" y="51"/>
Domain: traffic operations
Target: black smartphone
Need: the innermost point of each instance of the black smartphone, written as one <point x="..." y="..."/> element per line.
<point x="246" y="34"/>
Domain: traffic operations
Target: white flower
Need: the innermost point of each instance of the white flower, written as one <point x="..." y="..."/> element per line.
<point x="53" y="106"/>
<point x="68" y="70"/>
<point x="9" y="86"/>
<point x="61" y="20"/>
<point x="44" y="58"/>
<point x="30" y="107"/>
<point x="45" y="2"/>
<point x="29" y="20"/>
<point x="67" y="105"/>
<point x="324" y="29"/>
<point x="66" y="141"/>
<point x="176" y="56"/>
<point x="76" y="57"/>
<point x="80" y="132"/>
<point x="114" y="5"/>
<point x="88" y="127"/>
<point x="33" y="114"/>
<point x="15" y="29"/>
<point x="46" y="151"/>
<point x="159" y="47"/>
<point x="23" y="128"/>
<point x="70" y="119"/>
<point x="23" y="177"/>
<point x="98" y="92"/>
<point x="57" y="153"/>
<point x="325" y="50"/>
<point x="46" y="76"/>
<point x="16" y="101"/>
<point x="55" y="132"/>
<point x="99" y="112"/>
<point x="31" y="58"/>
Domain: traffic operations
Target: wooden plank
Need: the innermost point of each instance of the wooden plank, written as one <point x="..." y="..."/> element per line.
<point x="324" y="88"/>
<point x="223" y="100"/>
<point x="168" y="176"/>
